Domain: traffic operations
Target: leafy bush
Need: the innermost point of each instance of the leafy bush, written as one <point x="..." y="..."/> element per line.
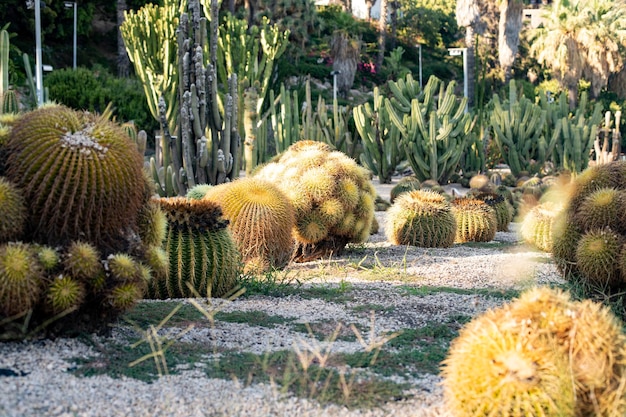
<point x="93" y="90"/>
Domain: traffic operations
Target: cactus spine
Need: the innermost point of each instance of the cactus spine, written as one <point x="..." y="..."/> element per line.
<point x="20" y="279"/>
<point x="475" y="220"/>
<point x="434" y="131"/>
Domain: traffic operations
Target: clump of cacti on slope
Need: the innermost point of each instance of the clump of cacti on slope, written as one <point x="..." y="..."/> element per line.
<point x="260" y="218"/>
<point x="89" y="221"/>
<point x="203" y="258"/>
<point x="588" y="241"/>
<point x="333" y="197"/>
<point x="543" y="354"/>
<point x="421" y="218"/>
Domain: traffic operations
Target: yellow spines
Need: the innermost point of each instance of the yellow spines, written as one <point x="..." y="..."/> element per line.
<point x="13" y="211"/>
<point x="541" y="355"/>
<point x="421" y="218"/>
<point x="20" y="279"/>
<point x="261" y="219"/>
<point x="475" y="220"/>
<point x="332" y="196"/>
<point x="536" y="228"/>
<point x="64" y="293"/>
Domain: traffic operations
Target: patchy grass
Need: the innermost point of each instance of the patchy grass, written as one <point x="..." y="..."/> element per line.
<point x="321" y="330"/>
<point x="421" y="291"/>
<point x="252" y="318"/>
<point x="153" y="312"/>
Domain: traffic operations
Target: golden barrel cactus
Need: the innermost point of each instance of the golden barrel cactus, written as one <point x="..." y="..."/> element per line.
<point x="421" y="218"/>
<point x="475" y="220"/>
<point x="260" y="218"/>
<point x="80" y="175"/>
<point x="536" y="228"/>
<point x="333" y="197"/>
<point x="13" y="211"/>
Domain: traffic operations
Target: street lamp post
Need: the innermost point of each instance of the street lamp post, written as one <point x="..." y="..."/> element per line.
<point x="68" y="5"/>
<point x="334" y="74"/>
<point x="419" y="47"/>
<point x="36" y="4"/>
<point x="457" y="52"/>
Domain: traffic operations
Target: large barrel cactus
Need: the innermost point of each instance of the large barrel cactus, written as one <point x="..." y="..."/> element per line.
<point x="541" y="355"/>
<point x="538" y="225"/>
<point x="13" y="211"/>
<point x="333" y="197"/>
<point x="475" y="220"/>
<point x="589" y="237"/>
<point x="421" y="218"/>
<point x="79" y="173"/>
<point x="261" y="218"/>
<point x="203" y="258"/>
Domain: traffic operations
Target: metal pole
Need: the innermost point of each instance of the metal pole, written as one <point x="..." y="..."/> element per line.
<point x="420" y="62"/>
<point x="38" y="67"/>
<point x="74" y="54"/>
<point x="465" y="80"/>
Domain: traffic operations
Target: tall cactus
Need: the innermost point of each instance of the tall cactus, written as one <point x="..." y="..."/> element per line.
<point x="4" y="61"/>
<point x="149" y="35"/>
<point x="250" y="52"/>
<point x="575" y="132"/>
<point x="435" y="130"/>
<point x="518" y="132"/>
<point x="204" y="148"/>
<point x="382" y="151"/>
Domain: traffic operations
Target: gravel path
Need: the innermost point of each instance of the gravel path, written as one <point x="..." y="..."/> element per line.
<point x="42" y="383"/>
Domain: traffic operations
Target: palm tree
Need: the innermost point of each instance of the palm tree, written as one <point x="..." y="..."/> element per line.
<point x="468" y="16"/>
<point x="581" y="40"/>
<point x="509" y="29"/>
<point x="345" y="52"/>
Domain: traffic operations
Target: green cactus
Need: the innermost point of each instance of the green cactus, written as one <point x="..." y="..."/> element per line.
<point x="603" y="208"/>
<point x="64" y="293"/>
<point x="503" y="209"/>
<point x="4" y="62"/>
<point x="21" y="279"/>
<point x="124" y="296"/>
<point x="575" y="132"/>
<point x="14" y="211"/>
<point x="382" y="150"/>
<point x="152" y="224"/>
<point x="518" y="131"/>
<point x="203" y="258"/>
<point x="79" y="173"/>
<point x="435" y="131"/>
<point x="597" y="257"/>
<point x="149" y="35"/>
<point x="250" y="52"/>
<point x="405" y="184"/>
<point x="333" y="197"/>
<point x="475" y="220"/>
<point x="48" y="257"/>
<point x="421" y="218"/>
<point x="198" y="192"/>
<point x="10" y="102"/>
<point x="538" y="224"/>
<point x="82" y="261"/>
<point x="260" y="218"/>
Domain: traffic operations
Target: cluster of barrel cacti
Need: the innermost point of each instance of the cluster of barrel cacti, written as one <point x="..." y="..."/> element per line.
<point x="541" y="355"/>
<point x="77" y="228"/>
<point x="333" y="197"/>
<point x="588" y="239"/>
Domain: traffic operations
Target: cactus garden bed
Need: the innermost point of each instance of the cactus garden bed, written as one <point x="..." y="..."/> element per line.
<point x="359" y="334"/>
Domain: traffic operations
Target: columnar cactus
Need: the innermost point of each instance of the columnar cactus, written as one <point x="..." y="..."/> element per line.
<point x="421" y="218"/>
<point x="382" y="150"/>
<point x="203" y="258"/>
<point x="260" y="218"/>
<point x="80" y="175"/>
<point x="333" y="197"/>
<point x="435" y="129"/>
<point x="517" y="125"/>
